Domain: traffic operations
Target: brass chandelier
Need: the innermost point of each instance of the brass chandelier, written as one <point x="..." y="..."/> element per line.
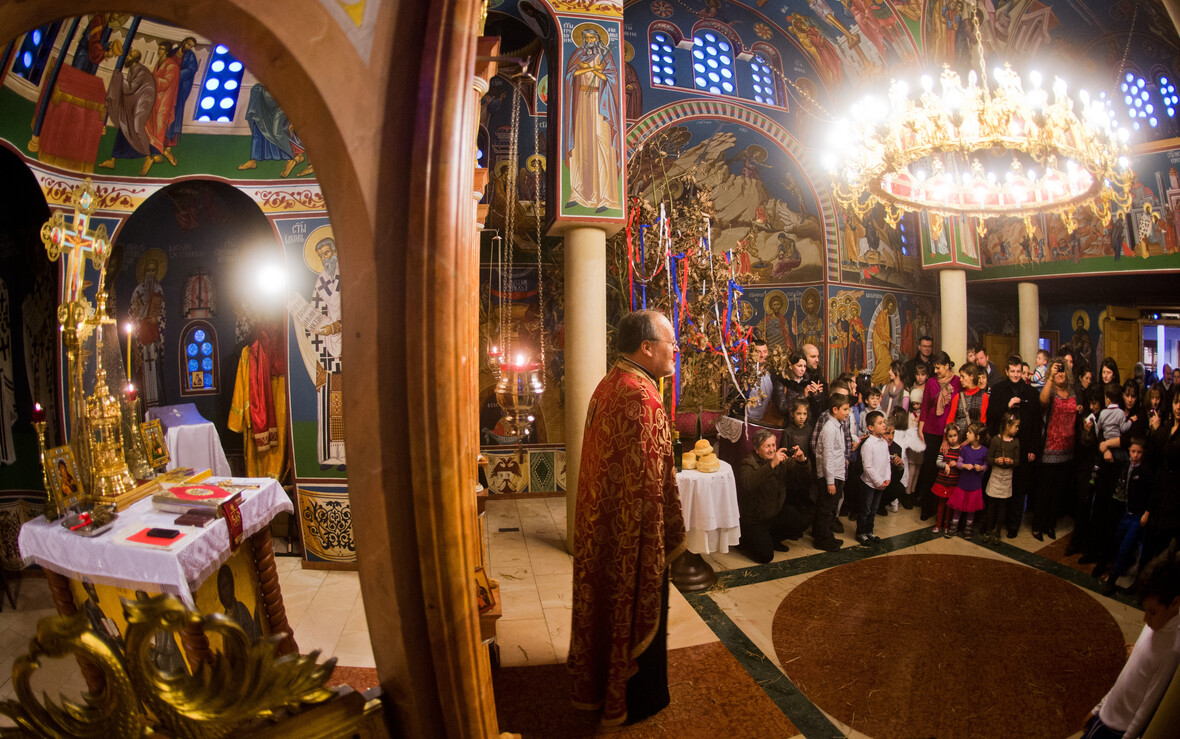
<point x="981" y="152"/>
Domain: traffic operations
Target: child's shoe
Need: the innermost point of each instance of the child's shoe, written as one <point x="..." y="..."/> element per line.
<point x="947" y="533"/>
<point x="937" y="530"/>
<point x="967" y="532"/>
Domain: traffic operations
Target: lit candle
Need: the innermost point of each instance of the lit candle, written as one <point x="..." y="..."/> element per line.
<point x="38" y="413"/>
<point x="130" y="393"/>
<point x="128" y="327"/>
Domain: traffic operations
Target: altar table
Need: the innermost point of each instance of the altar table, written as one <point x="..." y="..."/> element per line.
<point x="709" y="502"/>
<point x="93" y="573"/>
<point x="192" y="439"/>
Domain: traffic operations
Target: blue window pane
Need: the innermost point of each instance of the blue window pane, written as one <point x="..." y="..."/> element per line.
<point x="757" y="98"/>
<point x="235" y="66"/>
<point x="698" y="41"/>
<point x="666" y="49"/>
<point x="712" y="63"/>
<point x="700" y="81"/>
<point x="193" y="365"/>
<point x="207" y="103"/>
<point x="221" y="49"/>
<point x="699" y="67"/>
<point x="715" y="90"/>
<point x="206" y="348"/>
<point x="727" y="87"/>
<point x="37" y="36"/>
<point x="656" y="47"/>
<point x="698" y="53"/>
<point x="726" y="73"/>
<point x="713" y="77"/>
<point x="199" y="335"/>
<point x="710" y="37"/>
<point x="724" y="45"/>
<point x="669" y="81"/>
<point x="757" y="88"/>
<point x="217" y="66"/>
<point x="711" y="50"/>
<point x="208" y="379"/>
<point x="724" y="59"/>
<point x="231" y="84"/>
<point x="27" y="59"/>
<point x="191" y="350"/>
<point x="227" y="103"/>
<point x="207" y="364"/>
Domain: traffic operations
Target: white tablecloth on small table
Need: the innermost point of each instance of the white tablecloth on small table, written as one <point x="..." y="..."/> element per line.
<point x="192" y="439"/>
<point x="709" y="500"/>
<point x="109" y="560"/>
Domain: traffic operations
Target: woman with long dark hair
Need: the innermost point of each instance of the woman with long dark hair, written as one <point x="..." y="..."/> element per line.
<point x="1061" y="421"/>
<point x="941" y="388"/>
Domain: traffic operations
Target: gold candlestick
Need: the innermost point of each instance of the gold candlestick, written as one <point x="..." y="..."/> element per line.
<point x="132" y="438"/>
<point x="52" y="506"/>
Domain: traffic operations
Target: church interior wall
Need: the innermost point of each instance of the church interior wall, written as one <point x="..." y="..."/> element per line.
<point x="219" y="215"/>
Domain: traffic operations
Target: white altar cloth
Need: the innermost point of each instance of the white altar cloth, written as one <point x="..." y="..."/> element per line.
<point x="192" y="439"/>
<point x="709" y="500"/>
<point x="109" y="560"/>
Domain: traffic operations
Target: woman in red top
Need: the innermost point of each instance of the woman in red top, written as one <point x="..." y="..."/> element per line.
<point x="1061" y="416"/>
<point x="937" y="407"/>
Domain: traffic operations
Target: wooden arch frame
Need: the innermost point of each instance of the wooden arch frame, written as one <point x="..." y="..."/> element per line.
<point x="393" y="140"/>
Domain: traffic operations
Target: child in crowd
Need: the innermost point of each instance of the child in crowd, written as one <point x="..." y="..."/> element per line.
<point x="839" y="387"/>
<point x="895" y="394"/>
<point x="1038" y="375"/>
<point x="1003" y="454"/>
<point x="1113" y="422"/>
<point x="967" y="496"/>
<point x="1087" y="458"/>
<point x="970" y="405"/>
<point x="948" y="476"/>
<point x="872" y="403"/>
<point x="1156" y="400"/>
<point x="797" y="434"/>
<point x="916" y="452"/>
<point x="896" y="489"/>
<point x="831" y="469"/>
<point x="1133" y="489"/>
<point x="912" y="445"/>
<point x="1025" y="373"/>
<point x="874" y="455"/>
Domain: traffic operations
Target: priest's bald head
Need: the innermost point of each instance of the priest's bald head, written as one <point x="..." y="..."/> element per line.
<point x="647" y="339"/>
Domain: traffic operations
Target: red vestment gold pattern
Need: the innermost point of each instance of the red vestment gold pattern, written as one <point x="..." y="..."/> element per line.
<point x="628" y="527"/>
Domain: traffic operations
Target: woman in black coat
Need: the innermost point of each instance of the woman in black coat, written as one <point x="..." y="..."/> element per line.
<point x="762" y="493"/>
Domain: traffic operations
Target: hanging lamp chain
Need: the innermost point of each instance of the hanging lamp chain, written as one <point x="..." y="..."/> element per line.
<point x="536" y="168"/>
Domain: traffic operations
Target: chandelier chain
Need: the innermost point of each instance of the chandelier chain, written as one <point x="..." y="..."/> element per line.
<point x="510" y="202"/>
<point x="536" y="168"/>
<point x="1130" y="36"/>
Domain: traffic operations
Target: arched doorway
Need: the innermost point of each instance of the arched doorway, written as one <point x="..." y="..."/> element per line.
<point x="390" y="129"/>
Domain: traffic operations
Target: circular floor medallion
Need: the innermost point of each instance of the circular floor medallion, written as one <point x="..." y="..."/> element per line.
<point x="926" y="645"/>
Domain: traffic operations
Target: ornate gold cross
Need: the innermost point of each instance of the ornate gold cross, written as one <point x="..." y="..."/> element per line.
<point x="78" y="241"/>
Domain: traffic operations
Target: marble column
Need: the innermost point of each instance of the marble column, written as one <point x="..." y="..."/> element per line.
<point x="585" y="345"/>
<point x="954" y="314"/>
<point x="1028" y="296"/>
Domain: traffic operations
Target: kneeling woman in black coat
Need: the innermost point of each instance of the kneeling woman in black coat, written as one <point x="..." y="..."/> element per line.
<point x="762" y="493"/>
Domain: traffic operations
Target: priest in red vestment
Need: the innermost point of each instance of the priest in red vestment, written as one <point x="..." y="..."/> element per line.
<point x="628" y="527"/>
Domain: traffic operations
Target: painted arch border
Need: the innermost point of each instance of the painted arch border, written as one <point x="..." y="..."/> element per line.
<point x="687" y="110"/>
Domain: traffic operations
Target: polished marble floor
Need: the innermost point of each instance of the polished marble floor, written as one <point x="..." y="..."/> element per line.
<point x="528" y="557"/>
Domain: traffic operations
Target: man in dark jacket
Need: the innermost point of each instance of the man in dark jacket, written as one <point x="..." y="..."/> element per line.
<point x="1014" y="394"/>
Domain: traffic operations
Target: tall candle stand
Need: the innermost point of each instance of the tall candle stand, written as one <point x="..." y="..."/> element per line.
<point x="52" y="505"/>
<point x="132" y="438"/>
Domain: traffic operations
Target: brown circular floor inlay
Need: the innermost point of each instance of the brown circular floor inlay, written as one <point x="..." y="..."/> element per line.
<point x="927" y="645"/>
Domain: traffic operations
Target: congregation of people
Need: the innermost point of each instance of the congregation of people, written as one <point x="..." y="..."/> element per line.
<point x="981" y="450"/>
